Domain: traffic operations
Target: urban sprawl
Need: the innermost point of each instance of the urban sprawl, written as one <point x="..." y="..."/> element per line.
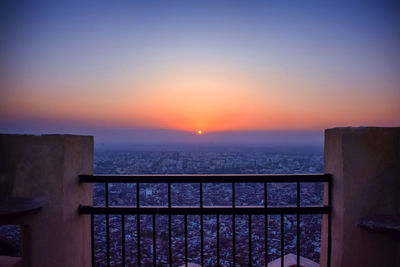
<point x="207" y="162"/>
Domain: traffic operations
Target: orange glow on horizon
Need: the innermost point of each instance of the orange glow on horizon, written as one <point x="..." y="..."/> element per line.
<point x="200" y="132"/>
<point x="212" y="99"/>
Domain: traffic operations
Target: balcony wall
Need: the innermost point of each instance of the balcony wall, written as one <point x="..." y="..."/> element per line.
<point x="365" y="163"/>
<point x="47" y="167"/>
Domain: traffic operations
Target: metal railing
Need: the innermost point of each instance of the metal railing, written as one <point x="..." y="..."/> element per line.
<point x="202" y="210"/>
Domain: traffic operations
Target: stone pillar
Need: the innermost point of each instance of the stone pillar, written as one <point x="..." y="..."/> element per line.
<point x="365" y="164"/>
<point x="47" y="167"/>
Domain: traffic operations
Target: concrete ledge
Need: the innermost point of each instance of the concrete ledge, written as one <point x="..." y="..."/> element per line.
<point x="6" y="261"/>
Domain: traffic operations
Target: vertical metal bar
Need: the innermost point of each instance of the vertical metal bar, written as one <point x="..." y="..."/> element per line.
<point x="123" y="239"/>
<point x="92" y="237"/>
<point x="329" y="222"/>
<point x="298" y="194"/>
<point x="234" y="239"/>
<point x="107" y="228"/>
<point x="186" y="242"/>
<point x="169" y="228"/>
<point x="266" y="240"/>
<point x="106" y="193"/>
<point x="138" y="222"/>
<point x="233" y="226"/>
<point x="298" y="226"/>
<point x="138" y="238"/>
<point x="282" y="242"/>
<point x="201" y="195"/>
<point x="265" y="195"/>
<point x="137" y="195"/>
<point x="250" y="240"/>
<point x="169" y="240"/>
<point x="218" y="240"/>
<point x="233" y="195"/>
<point x="202" y="239"/>
<point x="266" y="224"/>
<point x="201" y="227"/>
<point x="169" y="195"/>
<point x="154" y="241"/>
<point x="298" y="240"/>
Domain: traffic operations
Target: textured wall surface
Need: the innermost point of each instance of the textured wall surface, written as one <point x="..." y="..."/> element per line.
<point x="47" y="167"/>
<point x="365" y="163"/>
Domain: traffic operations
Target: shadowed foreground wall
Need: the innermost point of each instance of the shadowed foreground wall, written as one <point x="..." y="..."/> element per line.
<point x="47" y="167"/>
<point x="365" y="163"/>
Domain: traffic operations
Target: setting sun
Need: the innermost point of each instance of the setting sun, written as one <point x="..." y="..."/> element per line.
<point x="200" y="132"/>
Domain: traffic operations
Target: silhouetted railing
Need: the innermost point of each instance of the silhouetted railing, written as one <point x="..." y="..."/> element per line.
<point x="202" y="210"/>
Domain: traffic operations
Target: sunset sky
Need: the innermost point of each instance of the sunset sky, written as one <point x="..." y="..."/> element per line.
<point x="83" y="66"/>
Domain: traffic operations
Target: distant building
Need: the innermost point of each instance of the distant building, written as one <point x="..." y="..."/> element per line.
<point x="149" y="192"/>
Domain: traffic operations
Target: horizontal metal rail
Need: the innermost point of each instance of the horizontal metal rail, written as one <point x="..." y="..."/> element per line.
<point x="211" y="210"/>
<point x="204" y="178"/>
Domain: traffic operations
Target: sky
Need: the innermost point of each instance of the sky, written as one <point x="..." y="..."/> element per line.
<point x="118" y="69"/>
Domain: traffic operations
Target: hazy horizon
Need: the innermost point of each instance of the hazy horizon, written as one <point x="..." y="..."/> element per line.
<point x="167" y="137"/>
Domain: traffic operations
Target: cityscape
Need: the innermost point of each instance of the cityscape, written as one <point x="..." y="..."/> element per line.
<point x="249" y="133"/>
<point x="211" y="161"/>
